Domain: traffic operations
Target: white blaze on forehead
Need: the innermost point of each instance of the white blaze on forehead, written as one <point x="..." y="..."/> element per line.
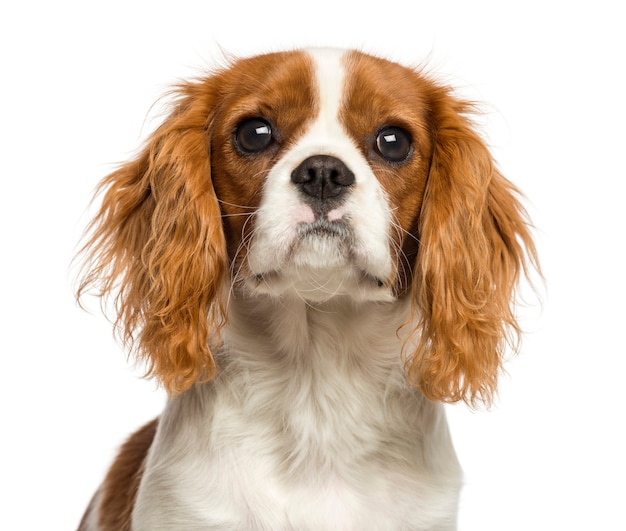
<point x="330" y="74"/>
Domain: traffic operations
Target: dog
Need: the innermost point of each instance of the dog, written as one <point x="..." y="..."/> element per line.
<point x="312" y="253"/>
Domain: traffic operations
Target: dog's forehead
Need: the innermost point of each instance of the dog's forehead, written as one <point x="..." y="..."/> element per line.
<point x="320" y="80"/>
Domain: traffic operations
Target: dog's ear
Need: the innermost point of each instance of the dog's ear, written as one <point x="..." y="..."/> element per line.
<point x="474" y="244"/>
<point x="157" y="247"/>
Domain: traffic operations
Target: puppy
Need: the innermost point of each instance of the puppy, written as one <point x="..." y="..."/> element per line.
<point x="311" y="254"/>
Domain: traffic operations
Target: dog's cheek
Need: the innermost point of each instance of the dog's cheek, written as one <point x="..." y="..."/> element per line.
<point x="238" y="184"/>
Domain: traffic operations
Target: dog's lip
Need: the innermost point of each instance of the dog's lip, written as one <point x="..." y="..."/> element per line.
<point x="275" y="273"/>
<point x="323" y="227"/>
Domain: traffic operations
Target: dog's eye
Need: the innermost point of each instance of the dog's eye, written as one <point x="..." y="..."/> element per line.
<point x="253" y="135"/>
<point x="394" y="144"/>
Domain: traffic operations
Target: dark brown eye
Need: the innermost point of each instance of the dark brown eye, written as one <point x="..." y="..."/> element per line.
<point x="394" y="144"/>
<point x="253" y="135"/>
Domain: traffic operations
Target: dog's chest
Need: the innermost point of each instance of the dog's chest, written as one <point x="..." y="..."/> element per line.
<point x="249" y="491"/>
<point x="298" y="473"/>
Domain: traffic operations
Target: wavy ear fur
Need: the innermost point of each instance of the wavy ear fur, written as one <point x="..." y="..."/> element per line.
<point x="474" y="244"/>
<point x="157" y="247"/>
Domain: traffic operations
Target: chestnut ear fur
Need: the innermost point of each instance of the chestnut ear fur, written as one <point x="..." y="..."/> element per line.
<point x="157" y="246"/>
<point x="474" y="244"/>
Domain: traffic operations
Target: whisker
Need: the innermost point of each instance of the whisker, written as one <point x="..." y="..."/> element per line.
<point x="402" y="261"/>
<point x="237" y="215"/>
<point x="243" y="207"/>
<point x="236" y="276"/>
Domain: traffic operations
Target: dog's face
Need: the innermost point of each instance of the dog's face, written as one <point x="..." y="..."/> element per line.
<point x="320" y="165"/>
<point x="316" y="174"/>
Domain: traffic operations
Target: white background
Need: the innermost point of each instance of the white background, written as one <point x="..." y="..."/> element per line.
<point x="77" y="80"/>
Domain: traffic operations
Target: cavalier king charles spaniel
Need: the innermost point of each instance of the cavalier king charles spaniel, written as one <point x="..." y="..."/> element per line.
<point x="312" y="254"/>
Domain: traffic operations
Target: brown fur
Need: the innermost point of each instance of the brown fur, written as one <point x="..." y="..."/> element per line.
<point x="175" y="219"/>
<point x="475" y="243"/>
<point x="119" y="490"/>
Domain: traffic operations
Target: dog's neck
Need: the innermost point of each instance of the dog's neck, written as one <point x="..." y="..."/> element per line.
<point x="330" y="371"/>
<point x="336" y="333"/>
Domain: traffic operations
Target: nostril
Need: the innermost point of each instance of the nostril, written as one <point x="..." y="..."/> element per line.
<point x="322" y="177"/>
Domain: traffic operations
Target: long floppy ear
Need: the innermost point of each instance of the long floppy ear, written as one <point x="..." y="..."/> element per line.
<point x="157" y="247"/>
<point x="474" y="244"/>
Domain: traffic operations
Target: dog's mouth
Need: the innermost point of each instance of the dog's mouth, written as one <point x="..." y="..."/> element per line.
<point x="324" y="228"/>
<point x="322" y="262"/>
<point x="322" y="245"/>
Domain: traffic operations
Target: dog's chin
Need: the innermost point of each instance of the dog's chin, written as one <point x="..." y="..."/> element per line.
<point x="321" y="267"/>
<point x="321" y="285"/>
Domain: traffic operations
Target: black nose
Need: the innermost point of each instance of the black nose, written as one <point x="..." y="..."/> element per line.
<point x="322" y="177"/>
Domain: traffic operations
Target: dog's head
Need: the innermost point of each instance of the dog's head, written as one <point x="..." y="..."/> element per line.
<point x="316" y="174"/>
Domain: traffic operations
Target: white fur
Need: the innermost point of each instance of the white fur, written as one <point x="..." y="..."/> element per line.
<point x="310" y="424"/>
